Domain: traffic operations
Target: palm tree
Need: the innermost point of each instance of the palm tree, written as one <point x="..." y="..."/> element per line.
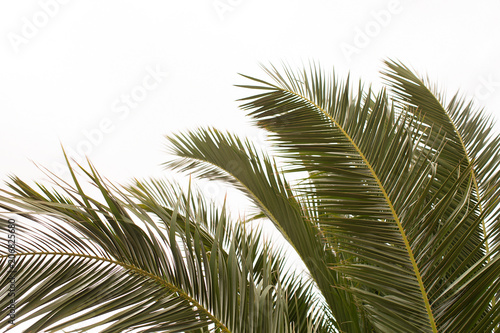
<point x="396" y="221"/>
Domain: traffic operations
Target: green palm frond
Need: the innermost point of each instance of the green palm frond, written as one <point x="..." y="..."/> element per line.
<point x="469" y="133"/>
<point x="218" y="156"/>
<point x="149" y="263"/>
<point x="339" y="139"/>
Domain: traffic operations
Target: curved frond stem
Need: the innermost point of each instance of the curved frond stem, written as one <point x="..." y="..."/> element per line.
<point x="169" y="286"/>
<point x="401" y="71"/>
<point x="389" y="203"/>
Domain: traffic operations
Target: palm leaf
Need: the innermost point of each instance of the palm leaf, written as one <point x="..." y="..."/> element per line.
<point x="470" y="136"/>
<point x="176" y="268"/>
<point x="217" y="156"/>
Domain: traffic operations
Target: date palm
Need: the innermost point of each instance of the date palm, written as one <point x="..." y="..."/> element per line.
<point x="390" y="199"/>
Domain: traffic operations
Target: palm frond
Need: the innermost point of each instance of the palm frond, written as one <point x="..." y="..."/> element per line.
<point x="172" y="265"/>
<point x="217" y="156"/>
<point x="469" y="133"/>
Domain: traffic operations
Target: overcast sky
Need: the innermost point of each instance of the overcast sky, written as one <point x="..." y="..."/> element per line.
<point x="109" y="79"/>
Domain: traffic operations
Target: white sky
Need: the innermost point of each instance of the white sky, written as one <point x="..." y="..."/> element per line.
<point x="66" y="76"/>
<point x="66" y="65"/>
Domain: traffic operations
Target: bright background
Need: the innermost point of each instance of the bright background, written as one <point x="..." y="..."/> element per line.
<point x="108" y="79"/>
<point x="67" y="67"/>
